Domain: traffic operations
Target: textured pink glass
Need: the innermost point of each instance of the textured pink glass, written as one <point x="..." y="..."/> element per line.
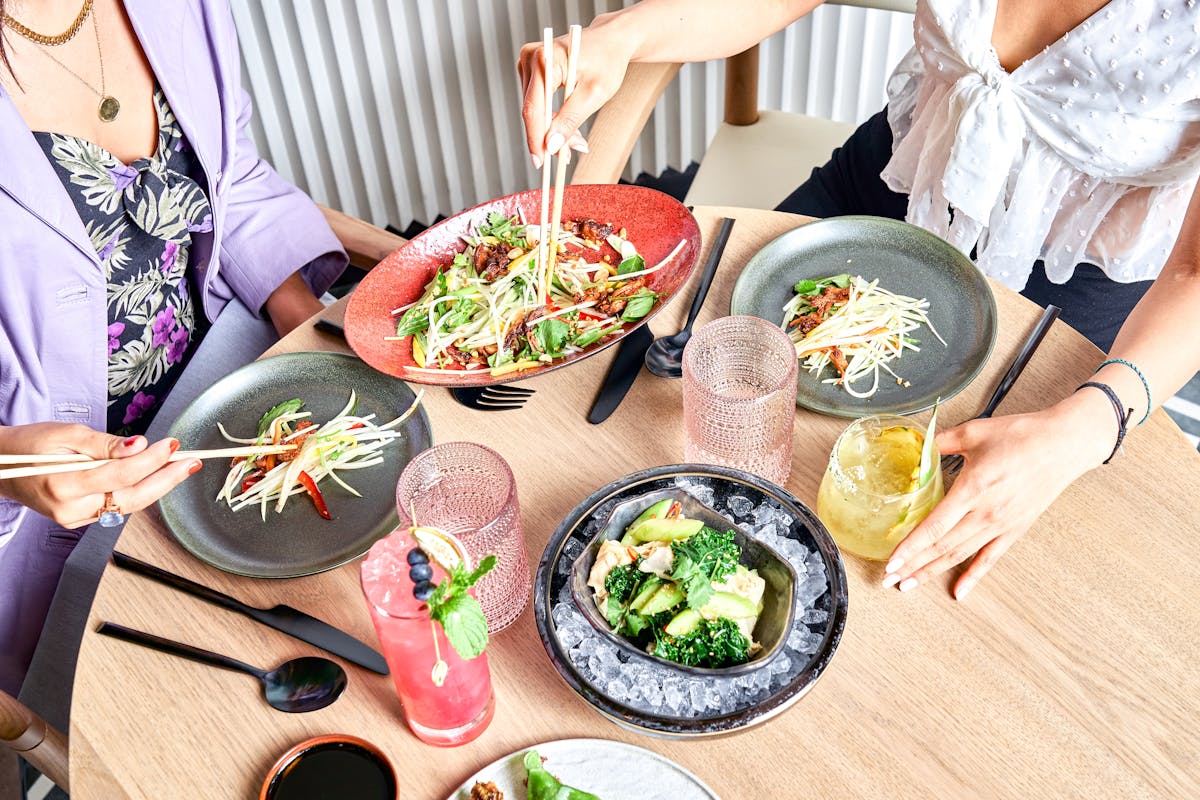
<point x="739" y="397"/>
<point x="468" y="490"/>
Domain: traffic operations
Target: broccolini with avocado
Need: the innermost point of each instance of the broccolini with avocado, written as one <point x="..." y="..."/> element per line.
<point x="675" y="588"/>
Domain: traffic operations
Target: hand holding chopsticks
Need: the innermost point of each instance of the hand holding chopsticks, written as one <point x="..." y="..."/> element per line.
<point x="110" y="477"/>
<point x="55" y="463"/>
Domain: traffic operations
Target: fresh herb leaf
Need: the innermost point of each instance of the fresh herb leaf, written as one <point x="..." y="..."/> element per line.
<point x="286" y="407"/>
<point x="631" y="264"/>
<point x="414" y="320"/>
<point x="639" y="305"/>
<point x="812" y="288"/>
<point x="701" y="560"/>
<point x="594" y="335"/>
<point x="507" y="230"/>
<point x="460" y="614"/>
<point x="551" y="335"/>
<point x="461" y="261"/>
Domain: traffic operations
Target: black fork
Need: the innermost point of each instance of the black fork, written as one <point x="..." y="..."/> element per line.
<point x="492" y="398"/>
<point x="486" y="398"/>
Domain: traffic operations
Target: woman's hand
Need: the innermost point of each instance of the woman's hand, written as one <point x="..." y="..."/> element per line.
<point x="1015" y="468"/>
<point x="599" y="71"/>
<point x="139" y="476"/>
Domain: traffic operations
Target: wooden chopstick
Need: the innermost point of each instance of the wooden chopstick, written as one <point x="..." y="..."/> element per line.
<point x="564" y="157"/>
<point x="543" y="231"/>
<point x="75" y="462"/>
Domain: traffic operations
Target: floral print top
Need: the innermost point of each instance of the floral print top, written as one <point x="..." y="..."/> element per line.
<point x="140" y="218"/>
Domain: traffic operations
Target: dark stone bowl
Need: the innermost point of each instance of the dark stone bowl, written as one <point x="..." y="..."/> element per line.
<point x="775" y="620"/>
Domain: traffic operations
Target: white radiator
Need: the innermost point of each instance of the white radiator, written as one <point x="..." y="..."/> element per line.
<point x="401" y="110"/>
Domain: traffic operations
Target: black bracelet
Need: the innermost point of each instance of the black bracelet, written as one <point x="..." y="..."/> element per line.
<point x="1122" y="416"/>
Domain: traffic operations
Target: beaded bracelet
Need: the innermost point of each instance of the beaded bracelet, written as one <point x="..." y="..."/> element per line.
<point x="1145" y="383"/>
<point x="1122" y="417"/>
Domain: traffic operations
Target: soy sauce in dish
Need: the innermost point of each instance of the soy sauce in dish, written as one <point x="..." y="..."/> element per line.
<point x="332" y="770"/>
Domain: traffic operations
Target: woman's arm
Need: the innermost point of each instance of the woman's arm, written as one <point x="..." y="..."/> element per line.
<point x="1016" y="466"/>
<point x="654" y="31"/>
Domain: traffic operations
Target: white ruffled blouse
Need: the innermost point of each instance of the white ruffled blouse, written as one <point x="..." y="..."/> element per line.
<point x="1087" y="152"/>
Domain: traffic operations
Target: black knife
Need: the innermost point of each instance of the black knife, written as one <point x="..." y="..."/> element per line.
<point x="281" y="618"/>
<point x="631" y="355"/>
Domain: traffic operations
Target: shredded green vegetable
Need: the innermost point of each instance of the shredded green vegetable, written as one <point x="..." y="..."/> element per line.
<point x="856" y="326"/>
<point x="486" y="309"/>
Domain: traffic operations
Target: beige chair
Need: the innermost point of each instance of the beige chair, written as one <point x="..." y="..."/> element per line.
<point x="756" y="157"/>
<point x="30" y="737"/>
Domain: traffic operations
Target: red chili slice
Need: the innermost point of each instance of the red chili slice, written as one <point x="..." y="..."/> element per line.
<point x="310" y="486"/>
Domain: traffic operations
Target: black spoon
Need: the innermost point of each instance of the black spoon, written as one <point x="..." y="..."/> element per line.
<point x="302" y="684"/>
<point x="665" y="356"/>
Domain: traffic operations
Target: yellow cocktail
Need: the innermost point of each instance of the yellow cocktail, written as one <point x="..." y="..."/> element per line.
<point x="871" y="496"/>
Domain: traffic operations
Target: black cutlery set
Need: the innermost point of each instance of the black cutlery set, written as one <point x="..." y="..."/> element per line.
<point x="301" y="684"/>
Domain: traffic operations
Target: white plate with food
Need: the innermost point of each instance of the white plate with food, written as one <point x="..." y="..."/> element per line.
<point x="295" y="516"/>
<point x="595" y="768"/>
<point x="887" y="317"/>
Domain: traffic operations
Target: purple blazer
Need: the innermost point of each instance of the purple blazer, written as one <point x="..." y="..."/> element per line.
<point x="53" y="311"/>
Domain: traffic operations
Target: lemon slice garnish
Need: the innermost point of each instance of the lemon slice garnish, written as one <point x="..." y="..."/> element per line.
<point x="442" y="547"/>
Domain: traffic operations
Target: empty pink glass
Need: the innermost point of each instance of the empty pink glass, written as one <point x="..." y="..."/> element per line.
<point x="468" y="490"/>
<point x="739" y="397"/>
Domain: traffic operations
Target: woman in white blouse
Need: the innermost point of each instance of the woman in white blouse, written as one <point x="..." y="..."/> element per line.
<point x="1058" y="143"/>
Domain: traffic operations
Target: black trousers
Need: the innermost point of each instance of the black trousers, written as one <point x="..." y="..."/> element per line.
<point x="1091" y="303"/>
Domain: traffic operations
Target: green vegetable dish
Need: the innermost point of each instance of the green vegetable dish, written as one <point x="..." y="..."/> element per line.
<point x="514" y="299"/>
<point x="674" y="587"/>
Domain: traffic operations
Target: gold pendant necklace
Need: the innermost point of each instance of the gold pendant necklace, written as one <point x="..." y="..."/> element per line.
<point x="109" y="106"/>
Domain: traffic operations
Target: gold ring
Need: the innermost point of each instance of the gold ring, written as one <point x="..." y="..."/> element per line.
<point x="110" y="513"/>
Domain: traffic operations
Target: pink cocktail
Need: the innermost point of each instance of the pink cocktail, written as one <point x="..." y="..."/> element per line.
<point x="459" y="709"/>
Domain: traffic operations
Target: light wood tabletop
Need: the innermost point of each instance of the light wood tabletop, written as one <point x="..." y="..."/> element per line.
<point x="1071" y="671"/>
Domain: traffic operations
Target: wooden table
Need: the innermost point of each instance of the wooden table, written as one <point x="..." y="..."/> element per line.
<point x="1070" y="672"/>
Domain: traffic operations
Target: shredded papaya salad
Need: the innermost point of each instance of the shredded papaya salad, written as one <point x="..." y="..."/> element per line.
<point x="501" y="306"/>
<point x="856" y="326"/>
<point x="346" y="442"/>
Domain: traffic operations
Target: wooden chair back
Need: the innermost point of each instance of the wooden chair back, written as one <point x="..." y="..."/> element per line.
<point x="33" y="739"/>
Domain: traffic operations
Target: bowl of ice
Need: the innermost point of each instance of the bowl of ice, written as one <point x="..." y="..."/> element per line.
<point x="802" y="607"/>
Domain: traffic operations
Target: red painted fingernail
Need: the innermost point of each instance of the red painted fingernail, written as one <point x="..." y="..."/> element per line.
<point x="131" y="441"/>
<point x="173" y="444"/>
<point x="194" y="467"/>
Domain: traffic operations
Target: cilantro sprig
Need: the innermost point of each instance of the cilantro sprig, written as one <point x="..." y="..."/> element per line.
<point x="460" y="614"/>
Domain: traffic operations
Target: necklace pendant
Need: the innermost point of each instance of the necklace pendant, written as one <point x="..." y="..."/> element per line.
<point x="109" y="109"/>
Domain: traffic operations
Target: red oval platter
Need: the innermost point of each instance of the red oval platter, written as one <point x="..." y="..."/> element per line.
<point x="654" y="222"/>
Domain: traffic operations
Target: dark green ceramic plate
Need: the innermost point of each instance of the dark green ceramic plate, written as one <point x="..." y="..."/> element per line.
<point x="297" y="541"/>
<point x="907" y="260"/>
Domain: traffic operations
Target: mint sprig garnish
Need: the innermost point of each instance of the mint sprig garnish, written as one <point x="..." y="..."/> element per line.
<point x="459" y="614"/>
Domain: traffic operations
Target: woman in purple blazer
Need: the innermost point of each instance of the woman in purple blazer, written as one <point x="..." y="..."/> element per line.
<point x="133" y="209"/>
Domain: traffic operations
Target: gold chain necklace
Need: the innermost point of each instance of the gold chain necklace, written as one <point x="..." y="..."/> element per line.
<point x="109" y="107"/>
<point x="51" y="41"/>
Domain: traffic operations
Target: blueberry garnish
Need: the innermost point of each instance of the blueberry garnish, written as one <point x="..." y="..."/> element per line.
<point x="417" y="556"/>
<point x="420" y="572"/>
<point x="423" y="591"/>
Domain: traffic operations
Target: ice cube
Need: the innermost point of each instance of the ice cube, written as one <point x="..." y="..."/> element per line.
<point x="739" y="505"/>
<point x="814" y="615"/>
<point x="702" y="492"/>
<point x="673" y="693"/>
<point x="617" y="689"/>
<point x="696" y="694"/>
